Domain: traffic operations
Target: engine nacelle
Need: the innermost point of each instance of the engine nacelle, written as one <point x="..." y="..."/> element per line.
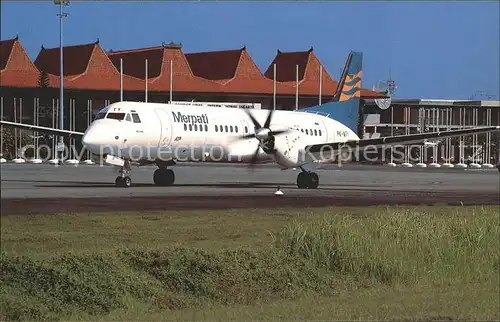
<point x="290" y="150"/>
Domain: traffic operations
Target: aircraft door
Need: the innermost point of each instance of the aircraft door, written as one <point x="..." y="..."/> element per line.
<point x="329" y="134"/>
<point x="249" y="144"/>
<point x="166" y="128"/>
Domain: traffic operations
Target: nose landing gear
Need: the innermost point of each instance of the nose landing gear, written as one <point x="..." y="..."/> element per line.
<point x="123" y="180"/>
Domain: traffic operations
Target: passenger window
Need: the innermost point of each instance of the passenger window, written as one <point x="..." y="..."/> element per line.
<point x="246" y="129"/>
<point x="206" y="128"/>
<point x="136" y="118"/>
<point x="236" y="129"/>
<point x="215" y="128"/>
<point x="190" y="127"/>
<point x="185" y="127"/>
<point x="315" y="132"/>
<point x="221" y="128"/>
<point x="196" y="127"/>
<point x="231" y="129"/>
<point x="225" y="128"/>
<point x="319" y="132"/>
<point x="307" y="132"/>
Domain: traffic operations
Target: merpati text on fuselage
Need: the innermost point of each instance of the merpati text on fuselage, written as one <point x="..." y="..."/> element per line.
<point x="189" y="118"/>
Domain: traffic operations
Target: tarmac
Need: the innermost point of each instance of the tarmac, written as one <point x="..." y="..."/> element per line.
<point x="42" y="188"/>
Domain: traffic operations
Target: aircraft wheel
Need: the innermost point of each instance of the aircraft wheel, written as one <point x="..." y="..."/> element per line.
<point x="307" y="180"/>
<point x="123" y="182"/>
<point x="302" y="179"/>
<point x="313" y="181"/>
<point x="164" y="177"/>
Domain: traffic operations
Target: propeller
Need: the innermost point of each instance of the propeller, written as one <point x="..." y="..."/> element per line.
<point x="262" y="133"/>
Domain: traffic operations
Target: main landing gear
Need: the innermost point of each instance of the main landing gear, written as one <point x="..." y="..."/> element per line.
<point x="164" y="177"/>
<point x="161" y="177"/>
<point x="307" y="180"/>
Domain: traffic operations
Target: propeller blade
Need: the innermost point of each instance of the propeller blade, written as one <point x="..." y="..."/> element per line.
<point x="243" y="137"/>
<point x="254" y="121"/>
<point x="247" y="136"/>
<point x="253" y="160"/>
<point x="268" y="120"/>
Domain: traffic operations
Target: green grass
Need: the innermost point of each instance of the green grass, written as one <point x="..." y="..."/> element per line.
<point x="416" y="263"/>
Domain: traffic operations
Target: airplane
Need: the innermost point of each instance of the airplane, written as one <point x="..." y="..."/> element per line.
<point x="138" y="133"/>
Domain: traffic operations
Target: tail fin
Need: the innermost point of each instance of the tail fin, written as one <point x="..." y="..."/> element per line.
<point x="342" y="78"/>
<point x="345" y="104"/>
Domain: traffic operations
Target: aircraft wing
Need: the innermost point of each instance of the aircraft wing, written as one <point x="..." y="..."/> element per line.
<point x="42" y="129"/>
<point x="397" y="140"/>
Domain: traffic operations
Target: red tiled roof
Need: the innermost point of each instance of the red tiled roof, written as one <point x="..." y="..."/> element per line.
<point x="85" y="67"/>
<point x="232" y="71"/>
<point x="309" y="69"/>
<point x="309" y="72"/>
<point x="134" y="61"/>
<point x="5" y="51"/>
<point x="76" y="59"/>
<point x="183" y="78"/>
<point x="101" y="74"/>
<point x="286" y="66"/>
<point x="249" y="79"/>
<point x="17" y="69"/>
<point x="215" y="65"/>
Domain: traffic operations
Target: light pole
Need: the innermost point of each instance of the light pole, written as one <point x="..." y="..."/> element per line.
<point x="61" y="3"/>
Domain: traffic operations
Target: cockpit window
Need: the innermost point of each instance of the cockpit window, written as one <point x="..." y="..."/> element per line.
<point x="116" y="116"/>
<point x="100" y="115"/>
<point x="136" y="118"/>
<point x="128" y="118"/>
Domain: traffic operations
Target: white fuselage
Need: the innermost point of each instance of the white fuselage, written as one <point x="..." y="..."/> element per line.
<point x="151" y="131"/>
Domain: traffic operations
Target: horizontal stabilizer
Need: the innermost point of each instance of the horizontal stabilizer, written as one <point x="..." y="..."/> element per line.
<point x="397" y="140"/>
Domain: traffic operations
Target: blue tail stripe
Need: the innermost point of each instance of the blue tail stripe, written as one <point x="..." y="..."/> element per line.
<point x="352" y="82"/>
<point x="352" y="91"/>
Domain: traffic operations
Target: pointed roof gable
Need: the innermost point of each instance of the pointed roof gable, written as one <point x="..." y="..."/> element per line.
<point x="249" y="79"/>
<point x="159" y="58"/>
<point x="286" y="65"/>
<point x="17" y="69"/>
<point x="134" y="61"/>
<point x="14" y="57"/>
<point x="6" y="47"/>
<point x="309" y="74"/>
<point x="184" y="80"/>
<point x="75" y="59"/>
<point x="215" y="65"/>
<point x="101" y="74"/>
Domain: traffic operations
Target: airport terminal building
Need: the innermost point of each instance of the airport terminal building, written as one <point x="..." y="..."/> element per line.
<point x="293" y="80"/>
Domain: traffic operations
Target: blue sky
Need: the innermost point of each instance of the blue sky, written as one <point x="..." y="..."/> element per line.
<point x="443" y="50"/>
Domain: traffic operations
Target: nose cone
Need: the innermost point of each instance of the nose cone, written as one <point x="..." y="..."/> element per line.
<point x="97" y="138"/>
<point x="90" y="139"/>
